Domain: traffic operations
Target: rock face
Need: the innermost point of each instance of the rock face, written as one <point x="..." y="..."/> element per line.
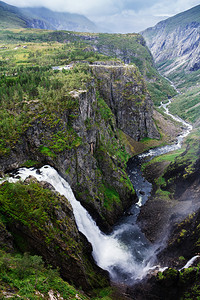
<point x="41" y="222"/>
<point x="126" y="47"/>
<point x="174" y="42"/>
<point x="125" y="92"/>
<point x="6" y="239"/>
<point x="132" y="49"/>
<point x="83" y="143"/>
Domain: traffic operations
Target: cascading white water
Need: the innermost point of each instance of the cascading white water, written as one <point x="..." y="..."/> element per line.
<point x="109" y="252"/>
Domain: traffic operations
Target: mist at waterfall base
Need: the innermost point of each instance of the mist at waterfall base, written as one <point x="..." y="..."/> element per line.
<point x="125" y="253"/>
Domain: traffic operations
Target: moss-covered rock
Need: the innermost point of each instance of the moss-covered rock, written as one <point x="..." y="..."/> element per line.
<point x="42" y="222"/>
<point x="125" y="92"/>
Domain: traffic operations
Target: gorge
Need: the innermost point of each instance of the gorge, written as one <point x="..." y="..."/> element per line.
<point x="125" y="253"/>
<point x="107" y="129"/>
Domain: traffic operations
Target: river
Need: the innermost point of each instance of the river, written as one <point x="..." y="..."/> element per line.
<point x="125" y="253"/>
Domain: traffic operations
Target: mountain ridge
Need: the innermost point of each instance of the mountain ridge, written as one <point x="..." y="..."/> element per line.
<point x="176" y="40"/>
<point x="42" y="18"/>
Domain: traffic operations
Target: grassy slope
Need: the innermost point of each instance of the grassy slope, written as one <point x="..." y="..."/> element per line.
<point x="25" y="276"/>
<point x="11" y="17"/>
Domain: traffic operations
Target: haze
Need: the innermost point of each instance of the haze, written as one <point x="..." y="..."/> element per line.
<point x="116" y="15"/>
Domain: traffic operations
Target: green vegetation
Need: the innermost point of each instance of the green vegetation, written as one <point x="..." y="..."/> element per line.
<point x="179" y="165"/>
<point x="187" y="105"/>
<point x="111" y="197"/>
<point x="169" y="157"/>
<point x="45" y="219"/>
<point x="160" y="90"/>
<point x="185" y="282"/>
<point x="11" y="17"/>
<point x="190" y="158"/>
<point x="29" y="204"/>
<point x="25" y="276"/>
<point x="30" y="163"/>
<point x="27" y="92"/>
<point x="44" y="105"/>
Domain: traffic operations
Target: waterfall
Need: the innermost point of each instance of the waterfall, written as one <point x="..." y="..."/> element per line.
<point x="110" y="252"/>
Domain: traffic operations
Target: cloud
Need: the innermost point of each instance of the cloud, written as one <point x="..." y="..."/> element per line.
<point x="77" y="6"/>
<point x="129" y="21"/>
<point x="116" y="15"/>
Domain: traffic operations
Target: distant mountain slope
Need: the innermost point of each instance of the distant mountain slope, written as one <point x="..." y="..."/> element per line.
<point x="175" y="45"/>
<point x="14" y="17"/>
<point x="43" y="18"/>
<point x="61" y="21"/>
<point x="175" y="42"/>
<point x="11" y="16"/>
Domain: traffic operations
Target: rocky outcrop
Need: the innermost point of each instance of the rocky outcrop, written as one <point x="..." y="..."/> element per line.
<point x="125" y="47"/>
<point x="180" y="180"/>
<point x="182" y="177"/>
<point x="41" y="222"/>
<point x="132" y="49"/>
<point x="174" y="42"/>
<point x="125" y="92"/>
<point x="6" y="239"/>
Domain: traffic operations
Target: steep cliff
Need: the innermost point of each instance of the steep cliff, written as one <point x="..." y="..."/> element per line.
<point x="175" y="46"/>
<point x="69" y="119"/>
<point x="125" y="92"/>
<point x="174" y="42"/>
<point x="131" y="48"/>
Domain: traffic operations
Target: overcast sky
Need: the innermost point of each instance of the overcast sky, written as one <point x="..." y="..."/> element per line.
<point x="116" y="15"/>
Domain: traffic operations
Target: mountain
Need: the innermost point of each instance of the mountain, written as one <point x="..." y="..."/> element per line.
<point x="175" y="42"/>
<point x="61" y="21"/>
<point x="175" y="45"/>
<point x="12" y="17"/>
<point x="42" y="18"/>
